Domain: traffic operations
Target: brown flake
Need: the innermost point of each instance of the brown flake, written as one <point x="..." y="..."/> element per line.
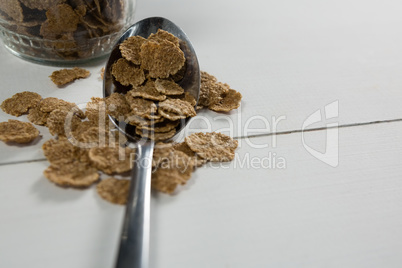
<point x="214" y="146"/>
<point x="165" y="126"/>
<point x="114" y="190"/>
<point x="62" y="122"/>
<point x="156" y="136"/>
<point x="141" y="121"/>
<point x="111" y="160"/>
<point x="142" y="108"/>
<point x="13" y="9"/>
<point x="131" y="47"/>
<point x="74" y="174"/>
<point x="164" y="35"/>
<point x="167" y="179"/>
<point x="95" y="110"/>
<point x="59" y="151"/>
<point x="230" y="101"/>
<point x="183" y="147"/>
<point x="50" y="104"/>
<point x="20" y="103"/>
<point x="161" y="151"/>
<point x="37" y="117"/>
<point x="161" y="59"/>
<point x="148" y="91"/>
<point x="175" y="109"/>
<point x="60" y="19"/>
<point x="65" y="76"/>
<point x="168" y="87"/>
<point x="117" y="105"/>
<point x="96" y="137"/>
<point x="211" y="91"/>
<point x="185" y="97"/>
<point x="17" y="131"/>
<point x="127" y="73"/>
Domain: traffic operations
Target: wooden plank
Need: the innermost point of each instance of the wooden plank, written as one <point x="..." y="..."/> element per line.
<point x="288" y="61"/>
<point x="242" y="214"/>
<point x="292" y="59"/>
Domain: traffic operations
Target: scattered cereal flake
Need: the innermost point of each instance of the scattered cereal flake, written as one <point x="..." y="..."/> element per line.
<point x="59" y="151"/>
<point x="41" y="4"/>
<point x="175" y="159"/>
<point x="20" y="103"/>
<point x="50" y="104"/>
<point x="183" y="147"/>
<point x="131" y="47"/>
<point x="65" y="76"/>
<point x="161" y="59"/>
<point x="120" y="137"/>
<point x="13" y="9"/>
<point x="166" y="180"/>
<point x="206" y="77"/>
<point x="230" y="101"/>
<point x="74" y="174"/>
<point x="148" y="91"/>
<point x="212" y="146"/>
<point x="141" y="107"/>
<point x="117" y="105"/>
<point x="168" y="87"/>
<point x="165" y="126"/>
<point x="190" y="99"/>
<point x="95" y="108"/>
<point x="82" y="127"/>
<point x="96" y="137"/>
<point x="127" y="73"/>
<point x="96" y="112"/>
<point x="17" y="131"/>
<point x="162" y="151"/>
<point x="37" y="117"/>
<point x="114" y="190"/>
<point x="164" y="35"/>
<point x="111" y="159"/>
<point x="62" y="122"/>
<point x="175" y="109"/>
<point x="211" y="91"/>
<point x="156" y="136"/>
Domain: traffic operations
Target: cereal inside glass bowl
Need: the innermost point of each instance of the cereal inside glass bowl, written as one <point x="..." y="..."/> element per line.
<point x="63" y="31"/>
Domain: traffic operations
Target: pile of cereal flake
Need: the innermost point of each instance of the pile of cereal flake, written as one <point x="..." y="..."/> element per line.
<point x="86" y="143"/>
<point x="148" y="72"/>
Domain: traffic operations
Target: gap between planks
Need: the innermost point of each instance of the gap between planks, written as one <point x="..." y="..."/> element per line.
<point x="260" y="135"/>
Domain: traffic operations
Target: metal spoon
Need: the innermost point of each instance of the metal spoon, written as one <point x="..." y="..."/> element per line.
<point x="134" y="244"/>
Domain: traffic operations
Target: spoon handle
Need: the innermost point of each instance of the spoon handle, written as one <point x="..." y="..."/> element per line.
<point x="134" y="243"/>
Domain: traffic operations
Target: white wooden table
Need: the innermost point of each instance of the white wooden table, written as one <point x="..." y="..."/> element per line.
<point x="292" y="198"/>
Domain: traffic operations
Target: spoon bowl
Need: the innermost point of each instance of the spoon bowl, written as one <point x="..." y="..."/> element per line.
<point x="190" y="82"/>
<point x="134" y="243"/>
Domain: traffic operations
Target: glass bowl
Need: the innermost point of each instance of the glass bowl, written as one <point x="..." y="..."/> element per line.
<point x="63" y="31"/>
